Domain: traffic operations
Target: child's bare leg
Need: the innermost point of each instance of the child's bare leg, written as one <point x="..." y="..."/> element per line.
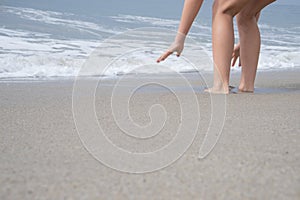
<point x="249" y="50"/>
<point x="223" y="41"/>
<point x="249" y="42"/>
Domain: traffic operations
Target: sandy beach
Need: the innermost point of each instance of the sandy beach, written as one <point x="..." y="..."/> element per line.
<point x="257" y="156"/>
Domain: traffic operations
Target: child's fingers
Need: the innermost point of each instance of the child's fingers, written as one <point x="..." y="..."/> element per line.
<point x="164" y="56"/>
<point x="234" y="60"/>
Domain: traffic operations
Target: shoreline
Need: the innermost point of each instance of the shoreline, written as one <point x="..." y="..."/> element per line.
<point x="266" y="81"/>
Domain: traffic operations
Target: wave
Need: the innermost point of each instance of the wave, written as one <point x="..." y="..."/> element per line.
<point x="63" y="20"/>
<point x="37" y="50"/>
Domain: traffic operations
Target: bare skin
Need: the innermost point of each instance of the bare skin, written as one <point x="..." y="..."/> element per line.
<point x="223" y="39"/>
<point x="189" y="13"/>
<point x="223" y="42"/>
<point x="236" y="50"/>
<point x="249" y="42"/>
<point x="236" y="55"/>
<point x="250" y="64"/>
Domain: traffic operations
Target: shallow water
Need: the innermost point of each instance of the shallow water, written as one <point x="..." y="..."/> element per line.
<point x="55" y="39"/>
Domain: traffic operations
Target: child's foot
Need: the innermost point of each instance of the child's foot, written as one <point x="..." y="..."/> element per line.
<point x="246" y="90"/>
<point x="217" y="90"/>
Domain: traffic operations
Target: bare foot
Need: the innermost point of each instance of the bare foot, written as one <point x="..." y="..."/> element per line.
<point x="217" y="91"/>
<point x="246" y="90"/>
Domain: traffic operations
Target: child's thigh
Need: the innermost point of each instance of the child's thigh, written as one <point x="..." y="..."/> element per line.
<point x="254" y="6"/>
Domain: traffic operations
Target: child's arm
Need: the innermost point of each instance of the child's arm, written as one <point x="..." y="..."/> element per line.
<point x="189" y="13"/>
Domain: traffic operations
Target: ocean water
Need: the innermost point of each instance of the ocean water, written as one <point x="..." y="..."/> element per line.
<point x="54" y="39"/>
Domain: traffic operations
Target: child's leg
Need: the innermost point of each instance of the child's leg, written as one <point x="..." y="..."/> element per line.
<point x="249" y="42"/>
<point x="249" y="50"/>
<point x="223" y="41"/>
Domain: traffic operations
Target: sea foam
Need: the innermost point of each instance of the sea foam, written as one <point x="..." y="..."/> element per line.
<point x="39" y="43"/>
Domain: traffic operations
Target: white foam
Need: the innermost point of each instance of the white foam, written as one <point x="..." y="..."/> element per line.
<point x="24" y="53"/>
<point x="21" y="57"/>
<point x="56" y="18"/>
<point x="144" y="62"/>
<point x="146" y="20"/>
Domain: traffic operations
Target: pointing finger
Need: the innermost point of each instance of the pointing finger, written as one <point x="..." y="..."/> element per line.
<point x="164" y="56"/>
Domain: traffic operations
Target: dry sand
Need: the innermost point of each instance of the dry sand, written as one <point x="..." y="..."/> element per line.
<point x="257" y="156"/>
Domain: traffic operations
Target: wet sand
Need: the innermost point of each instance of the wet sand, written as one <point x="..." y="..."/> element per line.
<point x="257" y="156"/>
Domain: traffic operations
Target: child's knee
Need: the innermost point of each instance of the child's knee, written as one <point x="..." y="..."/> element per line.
<point x="245" y="19"/>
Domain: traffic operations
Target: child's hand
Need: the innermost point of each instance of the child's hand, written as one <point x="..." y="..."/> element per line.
<point x="177" y="47"/>
<point x="236" y="55"/>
